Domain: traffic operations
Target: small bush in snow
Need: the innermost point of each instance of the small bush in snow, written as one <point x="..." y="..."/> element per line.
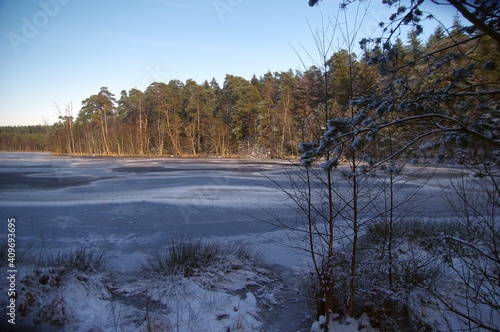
<point x="64" y="289"/>
<point x="190" y="257"/>
<point x="335" y="273"/>
<point x="82" y="259"/>
<point x="425" y="233"/>
<point x="416" y="253"/>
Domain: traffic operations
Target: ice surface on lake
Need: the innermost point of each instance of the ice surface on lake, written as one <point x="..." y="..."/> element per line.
<point x="130" y="206"/>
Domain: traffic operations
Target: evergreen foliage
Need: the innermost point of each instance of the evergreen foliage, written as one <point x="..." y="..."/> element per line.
<point x="23" y="138"/>
<point x="438" y="100"/>
<point x="433" y="93"/>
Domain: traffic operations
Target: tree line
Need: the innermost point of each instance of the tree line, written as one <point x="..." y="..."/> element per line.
<point x="267" y="115"/>
<point x="23" y="138"/>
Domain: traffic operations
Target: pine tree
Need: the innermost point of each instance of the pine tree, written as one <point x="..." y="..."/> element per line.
<point x="99" y="108"/>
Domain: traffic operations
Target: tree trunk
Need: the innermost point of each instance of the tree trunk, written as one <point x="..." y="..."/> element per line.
<point x="104" y="127"/>
<point x="172" y="133"/>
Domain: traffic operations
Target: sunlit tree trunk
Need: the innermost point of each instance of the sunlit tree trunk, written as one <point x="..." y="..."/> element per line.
<point x="172" y="131"/>
<point x="104" y="127"/>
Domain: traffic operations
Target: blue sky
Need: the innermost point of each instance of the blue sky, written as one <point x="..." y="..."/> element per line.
<point x="63" y="51"/>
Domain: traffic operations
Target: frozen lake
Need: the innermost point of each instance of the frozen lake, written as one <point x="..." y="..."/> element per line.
<point x="131" y="205"/>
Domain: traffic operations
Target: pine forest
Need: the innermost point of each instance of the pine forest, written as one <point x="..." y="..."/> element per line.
<point x="269" y="115"/>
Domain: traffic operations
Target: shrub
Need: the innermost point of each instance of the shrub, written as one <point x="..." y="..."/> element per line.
<point x="424" y="233"/>
<point x="43" y="299"/>
<point x="335" y="273"/>
<point x="82" y="259"/>
<point x="188" y="257"/>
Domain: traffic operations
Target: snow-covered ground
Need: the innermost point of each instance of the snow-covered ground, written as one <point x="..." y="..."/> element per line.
<point x="129" y="207"/>
<point x="132" y="206"/>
